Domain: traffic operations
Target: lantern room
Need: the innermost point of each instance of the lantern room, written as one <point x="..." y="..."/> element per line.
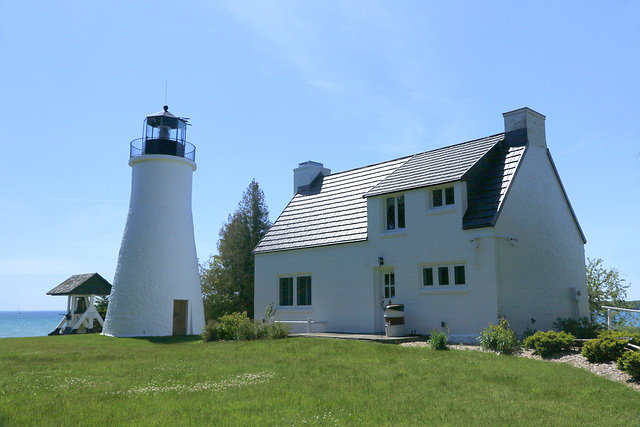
<point x="165" y="134"/>
<point x="165" y="126"/>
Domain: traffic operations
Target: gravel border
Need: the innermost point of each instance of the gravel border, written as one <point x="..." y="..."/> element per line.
<point x="607" y="370"/>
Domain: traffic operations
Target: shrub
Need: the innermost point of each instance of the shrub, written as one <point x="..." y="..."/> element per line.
<point x="238" y="326"/>
<point x="527" y="333"/>
<point x="549" y="343"/>
<point x="630" y="331"/>
<point x="630" y="363"/>
<point x="246" y="329"/>
<point x="438" y="340"/>
<point x="628" y="334"/>
<point x="213" y="331"/>
<point x="582" y="328"/>
<point x="607" y="347"/>
<point x="273" y="331"/>
<point x="500" y="338"/>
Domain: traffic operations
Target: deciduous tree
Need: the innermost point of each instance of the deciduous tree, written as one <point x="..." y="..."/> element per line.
<point x="605" y="288"/>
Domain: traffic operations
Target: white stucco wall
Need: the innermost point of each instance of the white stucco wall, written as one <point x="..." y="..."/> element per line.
<point x="157" y="263"/>
<point x="435" y="237"/>
<point x="537" y="273"/>
<point x="342" y="289"/>
<point x="347" y="289"/>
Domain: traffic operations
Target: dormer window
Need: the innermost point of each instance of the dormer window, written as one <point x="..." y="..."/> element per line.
<point x="442" y="197"/>
<point x="395" y="213"/>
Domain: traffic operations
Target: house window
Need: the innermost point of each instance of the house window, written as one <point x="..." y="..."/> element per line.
<point x="395" y="213"/>
<point x="459" y="275"/>
<point x="441" y="275"/>
<point x="304" y="290"/>
<point x="442" y="197"/>
<point x="427" y="274"/>
<point x="389" y="285"/>
<point x="301" y="293"/>
<point x="286" y="291"/>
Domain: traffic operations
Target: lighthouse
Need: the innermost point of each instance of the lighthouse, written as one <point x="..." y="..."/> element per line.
<point x="156" y="288"/>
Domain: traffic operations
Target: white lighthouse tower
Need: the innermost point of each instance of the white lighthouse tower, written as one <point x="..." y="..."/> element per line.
<point x="156" y="289"/>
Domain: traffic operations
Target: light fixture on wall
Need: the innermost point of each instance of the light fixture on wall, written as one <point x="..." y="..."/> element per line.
<point x="380" y="261"/>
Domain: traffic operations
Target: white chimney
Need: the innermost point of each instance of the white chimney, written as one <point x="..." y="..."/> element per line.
<point x="532" y="121"/>
<point x="306" y="172"/>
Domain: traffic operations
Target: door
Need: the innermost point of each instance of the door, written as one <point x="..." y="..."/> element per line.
<point x="180" y="316"/>
<point x="385" y="290"/>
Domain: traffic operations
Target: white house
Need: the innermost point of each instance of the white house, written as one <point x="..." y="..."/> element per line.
<point x="459" y="235"/>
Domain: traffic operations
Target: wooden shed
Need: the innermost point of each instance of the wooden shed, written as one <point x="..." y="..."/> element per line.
<point x="81" y="290"/>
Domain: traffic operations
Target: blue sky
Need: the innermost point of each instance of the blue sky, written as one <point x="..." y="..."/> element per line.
<point x="270" y="84"/>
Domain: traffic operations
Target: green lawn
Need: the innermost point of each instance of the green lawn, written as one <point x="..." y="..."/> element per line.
<point x="96" y="380"/>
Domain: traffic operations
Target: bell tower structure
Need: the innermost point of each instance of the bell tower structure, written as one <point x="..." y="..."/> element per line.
<point x="156" y="288"/>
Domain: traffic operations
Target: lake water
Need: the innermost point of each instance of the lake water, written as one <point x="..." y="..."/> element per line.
<point x="28" y="323"/>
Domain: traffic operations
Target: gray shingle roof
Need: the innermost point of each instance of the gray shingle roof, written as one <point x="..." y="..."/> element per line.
<point x="435" y="167"/>
<point x="83" y="284"/>
<point x="489" y="179"/>
<point x="332" y="212"/>
<point x="333" y="209"/>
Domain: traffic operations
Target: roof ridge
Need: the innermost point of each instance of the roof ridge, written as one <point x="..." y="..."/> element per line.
<point x="408" y="157"/>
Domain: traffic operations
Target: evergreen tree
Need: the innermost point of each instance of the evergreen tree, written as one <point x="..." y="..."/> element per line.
<point x="227" y="279"/>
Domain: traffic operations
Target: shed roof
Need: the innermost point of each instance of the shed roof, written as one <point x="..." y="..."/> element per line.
<point x="489" y="179"/>
<point x="83" y="284"/>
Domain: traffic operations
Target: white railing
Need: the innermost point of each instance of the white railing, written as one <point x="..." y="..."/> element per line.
<point x="616" y="308"/>
<point x="308" y="322"/>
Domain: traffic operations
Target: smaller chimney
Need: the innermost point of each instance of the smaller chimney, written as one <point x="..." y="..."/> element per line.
<point x="306" y="172"/>
<point x="529" y="120"/>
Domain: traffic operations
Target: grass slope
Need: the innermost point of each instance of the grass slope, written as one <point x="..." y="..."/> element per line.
<point x="96" y="380"/>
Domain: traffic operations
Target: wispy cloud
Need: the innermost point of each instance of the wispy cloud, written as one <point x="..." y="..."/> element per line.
<point x="361" y="55"/>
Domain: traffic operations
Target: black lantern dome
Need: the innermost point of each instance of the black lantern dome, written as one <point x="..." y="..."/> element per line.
<point x="166" y="134"/>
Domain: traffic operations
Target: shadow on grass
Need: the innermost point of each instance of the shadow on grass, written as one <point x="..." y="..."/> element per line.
<point x="172" y="339"/>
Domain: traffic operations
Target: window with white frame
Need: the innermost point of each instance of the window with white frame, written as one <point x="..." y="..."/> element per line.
<point x="443" y="276"/>
<point x="389" y="285"/>
<point x="300" y="293"/>
<point x="394" y="208"/>
<point x="303" y="289"/>
<point x="442" y="197"/>
<point x="286" y="291"/>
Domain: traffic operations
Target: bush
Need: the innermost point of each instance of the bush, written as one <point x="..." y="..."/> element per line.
<point x="628" y="334"/>
<point x="582" y="328"/>
<point x="238" y="326"/>
<point x="214" y="331"/>
<point x="630" y="363"/>
<point x="607" y="347"/>
<point x="527" y="333"/>
<point x="549" y="343"/>
<point x="438" y="340"/>
<point x="274" y="331"/>
<point x="630" y="331"/>
<point x="500" y="338"/>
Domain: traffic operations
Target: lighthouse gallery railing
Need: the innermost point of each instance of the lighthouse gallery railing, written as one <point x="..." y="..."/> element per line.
<point x="142" y="146"/>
